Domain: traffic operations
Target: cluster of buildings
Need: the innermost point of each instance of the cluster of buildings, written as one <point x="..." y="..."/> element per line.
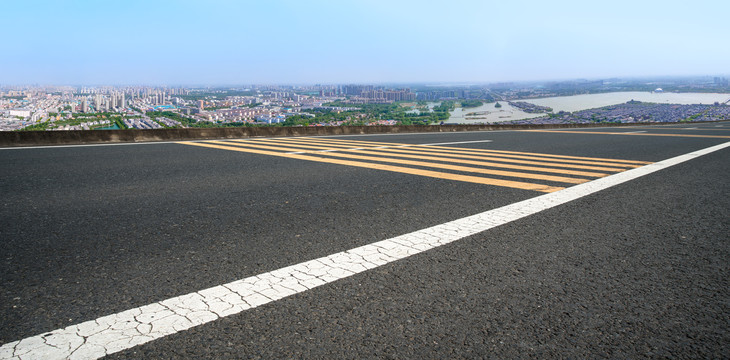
<point x="234" y="114"/>
<point x="59" y="107"/>
<point x="389" y="96"/>
<point x="369" y="94"/>
<point x="169" y="122"/>
<point x="436" y="95"/>
<point x="88" y="125"/>
<point x="381" y="96"/>
<point x="141" y="123"/>
<point x="24" y="106"/>
<point x="103" y="103"/>
<point x="637" y="112"/>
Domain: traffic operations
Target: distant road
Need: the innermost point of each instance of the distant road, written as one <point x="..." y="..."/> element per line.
<point x="602" y="242"/>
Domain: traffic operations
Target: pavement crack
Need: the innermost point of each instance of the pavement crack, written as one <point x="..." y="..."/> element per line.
<point x="144" y="332"/>
<point x="15" y="349"/>
<point x="286" y="287"/>
<point x="264" y="295"/>
<point x="45" y="341"/>
<point x="78" y="347"/>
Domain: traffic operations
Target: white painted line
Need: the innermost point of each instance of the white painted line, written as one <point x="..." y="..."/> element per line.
<point x="116" y="332"/>
<point x="634" y="132"/>
<point x="692" y="128"/>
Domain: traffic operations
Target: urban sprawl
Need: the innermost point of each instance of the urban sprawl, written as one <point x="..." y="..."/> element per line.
<point x="143" y="107"/>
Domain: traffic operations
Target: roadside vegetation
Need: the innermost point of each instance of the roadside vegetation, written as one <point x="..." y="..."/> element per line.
<point x="103" y="120"/>
<point x="471" y="103"/>
<point x="367" y="113"/>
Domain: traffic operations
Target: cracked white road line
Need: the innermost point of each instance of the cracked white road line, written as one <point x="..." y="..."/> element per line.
<point x="116" y="332"/>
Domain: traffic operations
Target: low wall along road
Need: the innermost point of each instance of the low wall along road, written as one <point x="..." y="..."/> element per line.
<point x="30" y="138"/>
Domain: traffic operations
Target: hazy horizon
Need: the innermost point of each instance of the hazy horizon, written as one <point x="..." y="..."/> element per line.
<point x="229" y="43"/>
<point x="444" y="84"/>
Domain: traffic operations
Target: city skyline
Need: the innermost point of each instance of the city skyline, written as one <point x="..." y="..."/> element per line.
<point x="288" y="42"/>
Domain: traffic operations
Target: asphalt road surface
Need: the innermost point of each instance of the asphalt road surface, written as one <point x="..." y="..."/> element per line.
<point x="639" y="269"/>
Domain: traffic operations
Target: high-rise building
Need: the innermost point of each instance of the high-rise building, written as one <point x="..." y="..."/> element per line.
<point x="356" y="90"/>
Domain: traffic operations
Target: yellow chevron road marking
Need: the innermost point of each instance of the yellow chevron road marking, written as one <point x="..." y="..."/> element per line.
<point x="488" y="151"/>
<point x="484" y="157"/>
<point x="444" y="149"/>
<point x="446" y="166"/>
<point x="424" y="157"/>
<point x="419" y="159"/>
<point x="439" y="175"/>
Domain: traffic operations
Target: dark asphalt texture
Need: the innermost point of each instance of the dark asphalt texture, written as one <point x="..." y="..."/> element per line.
<point x="638" y="270"/>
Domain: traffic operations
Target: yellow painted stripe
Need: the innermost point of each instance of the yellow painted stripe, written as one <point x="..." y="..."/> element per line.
<point x="308" y="139"/>
<point x="398" y="169"/>
<point x="515" y="161"/>
<point x="481" y="157"/>
<point x="488" y="151"/>
<point x="562" y="179"/>
<point x="635" y="134"/>
<point x="442" y="149"/>
<point x="359" y="142"/>
<point x="533" y="157"/>
<point x="317" y="142"/>
<point x="615" y="162"/>
<point x="424" y="157"/>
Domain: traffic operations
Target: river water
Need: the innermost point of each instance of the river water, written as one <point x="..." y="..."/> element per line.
<point x="487" y="113"/>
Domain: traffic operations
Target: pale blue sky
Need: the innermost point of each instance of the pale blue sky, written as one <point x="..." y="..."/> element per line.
<point x="243" y="42"/>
